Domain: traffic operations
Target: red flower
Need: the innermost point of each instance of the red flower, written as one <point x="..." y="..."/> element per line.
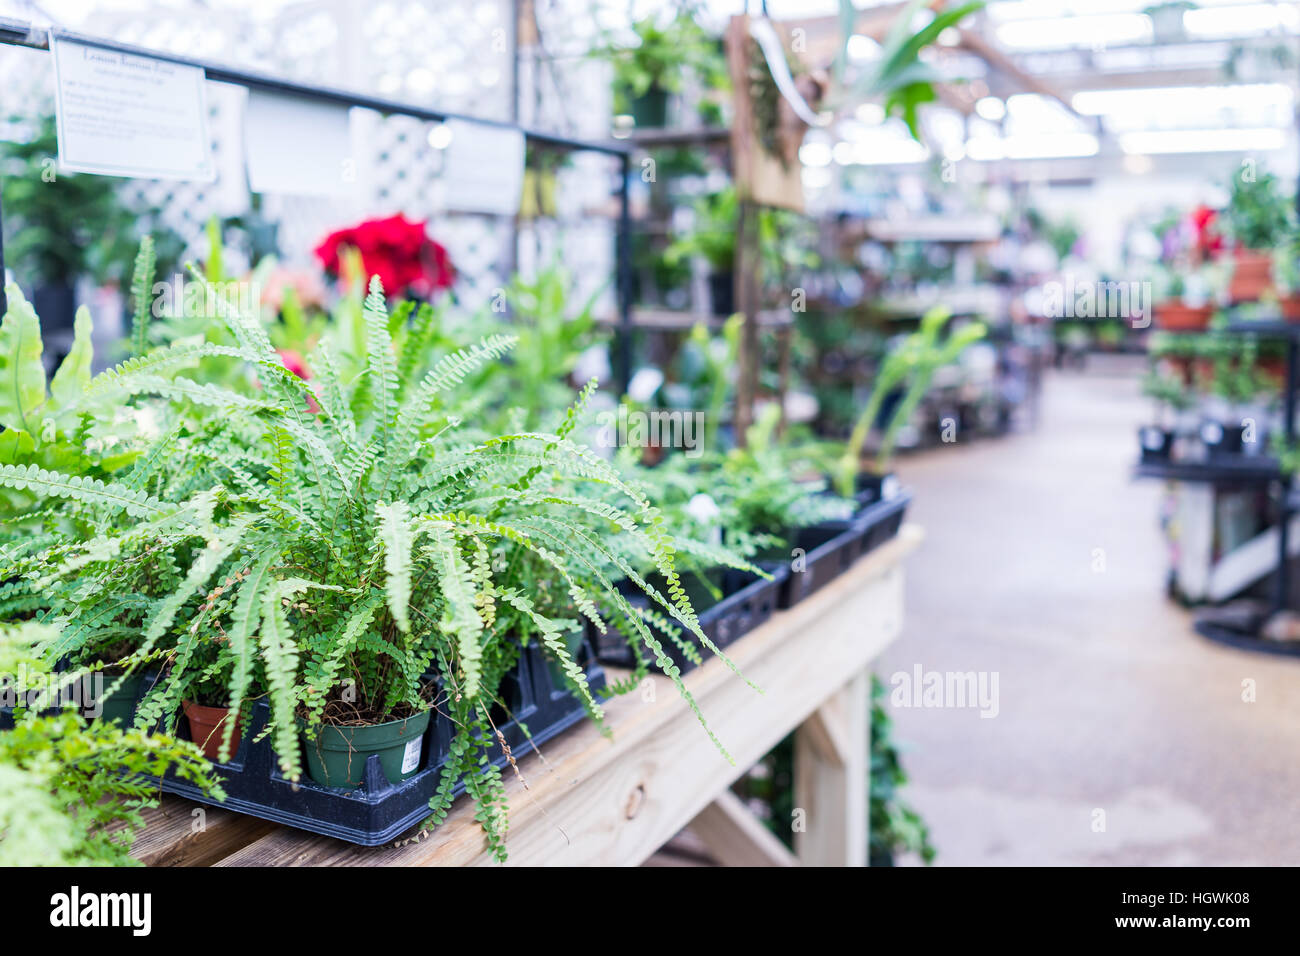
<point x="1208" y="241"/>
<point x="397" y="250"/>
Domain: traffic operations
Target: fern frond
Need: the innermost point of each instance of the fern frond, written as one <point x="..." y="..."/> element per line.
<point x="91" y="491"/>
<point x="142" y="290"/>
<point x="396" y="533"/>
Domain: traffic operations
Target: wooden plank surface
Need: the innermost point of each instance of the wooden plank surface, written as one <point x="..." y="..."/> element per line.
<point x="588" y="799"/>
<point x="183" y="833"/>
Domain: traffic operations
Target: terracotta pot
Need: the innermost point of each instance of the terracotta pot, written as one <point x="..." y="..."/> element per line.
<point x="1291" y="308"/>
<point x="208" y="728"/>
<point x="1173" y="315"/>
<point x="1252" y="275"/>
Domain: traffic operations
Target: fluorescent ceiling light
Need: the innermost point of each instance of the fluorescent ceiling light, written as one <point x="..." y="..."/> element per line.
<point x="1201" y="140"/>
<point x="1156" y="101"/>
<point x="1026" y="146"/>
<point x="1090" y="31"/>
<point x="991" y="108"/>
<point x="1243" y="20"/>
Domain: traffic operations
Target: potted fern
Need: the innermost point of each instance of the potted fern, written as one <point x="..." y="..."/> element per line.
<point x="356" y="550"/>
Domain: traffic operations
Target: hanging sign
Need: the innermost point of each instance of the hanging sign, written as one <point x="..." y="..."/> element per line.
<point x="484" y="168"/>
<point x="298" y="146"/>
<point x="122" y="114"/>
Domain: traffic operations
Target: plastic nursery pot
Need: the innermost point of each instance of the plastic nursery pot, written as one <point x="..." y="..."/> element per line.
<point x="1291" y="308"/>
<point x="1173" y="315"/>
<point x="1252" y="275"/>
<point x="1156" y="443"/>
<point x="337" y="755"/>
<point x="722" y="293"/>
<point x="208" y="727"/>
<point x="870" y="486"/>
<point x="1222" y="439"/>
<point x="650" y="109"/>
<point x="119" y="706"/>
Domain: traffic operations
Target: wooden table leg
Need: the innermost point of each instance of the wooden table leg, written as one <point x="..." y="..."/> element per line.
<point x="831" y="778"/>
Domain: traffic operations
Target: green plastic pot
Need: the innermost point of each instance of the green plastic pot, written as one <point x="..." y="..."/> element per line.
<point x="337" y="755"/>
<point x="119" y="706"/>
<point x="650" y="109"/>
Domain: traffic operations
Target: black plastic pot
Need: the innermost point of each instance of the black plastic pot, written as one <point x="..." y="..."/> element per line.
<point x="748" y="601"/>
<point x="379" y="810"/>
<point x="56" y="305"/>
<point x="650" y="109"/>
<point x="1157" y="443"/>
<point x="722" y="293"/>
<point x="1222" y="439"/>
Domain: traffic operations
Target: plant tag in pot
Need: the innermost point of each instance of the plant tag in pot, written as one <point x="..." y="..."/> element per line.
<point x="889" y="488"/>
<point x="411" y="756"/>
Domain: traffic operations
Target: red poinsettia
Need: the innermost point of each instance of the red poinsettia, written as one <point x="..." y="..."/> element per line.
<point x="1208" y="241"/>
<point x="397" y="250"/>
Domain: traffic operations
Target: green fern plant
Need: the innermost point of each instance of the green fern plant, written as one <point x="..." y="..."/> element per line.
<point x="346" y="547"/>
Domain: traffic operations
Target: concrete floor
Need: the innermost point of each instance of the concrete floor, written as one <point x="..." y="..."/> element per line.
<point x="1107" y="699"/>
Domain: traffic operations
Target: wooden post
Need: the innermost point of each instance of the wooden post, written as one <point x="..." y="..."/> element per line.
<point x="747" y="279"/>
<point x="831" y="778"/>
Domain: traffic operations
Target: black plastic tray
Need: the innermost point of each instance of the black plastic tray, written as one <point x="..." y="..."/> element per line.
<point x="830" y="548"/>
<point x="378" y="811"/>
<point x="748" y="601"/>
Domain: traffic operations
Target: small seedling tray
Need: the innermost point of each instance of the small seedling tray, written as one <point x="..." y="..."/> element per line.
<point x="748" y="601"/>
<point x="534" y="695"/>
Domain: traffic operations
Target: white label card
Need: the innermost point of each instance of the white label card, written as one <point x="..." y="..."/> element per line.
<point x="120" y="114"/>
<point x="411" y="756"/>
<point x="298" y="146"/>
<point x="484" y="168"/>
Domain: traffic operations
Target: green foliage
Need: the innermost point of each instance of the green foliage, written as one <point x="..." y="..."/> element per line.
<point x="663" y="54"/>
<point x="900" y="76"/>
<point x="71" y="792"/>
<point x="894" y="827"/>
<point x="351" y="553"/>
<point x="60" y="226"/>
<point x="1259" y="214"/>
<point x="910" y="366"/>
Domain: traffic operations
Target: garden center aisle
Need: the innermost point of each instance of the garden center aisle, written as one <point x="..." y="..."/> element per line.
<point x="1107" y="699"/>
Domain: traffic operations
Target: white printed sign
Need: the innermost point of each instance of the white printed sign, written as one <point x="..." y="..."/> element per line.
<point x="484" y="168"/>
<point x="120" y="114"/>
<point x="298" y="146"/>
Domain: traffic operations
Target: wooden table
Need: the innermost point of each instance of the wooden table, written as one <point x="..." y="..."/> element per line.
<point x="587" y="799"/>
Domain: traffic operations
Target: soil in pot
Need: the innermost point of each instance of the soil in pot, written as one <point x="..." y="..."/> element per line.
<point x="336" y="757"/>
<point x="208" y="727"/>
